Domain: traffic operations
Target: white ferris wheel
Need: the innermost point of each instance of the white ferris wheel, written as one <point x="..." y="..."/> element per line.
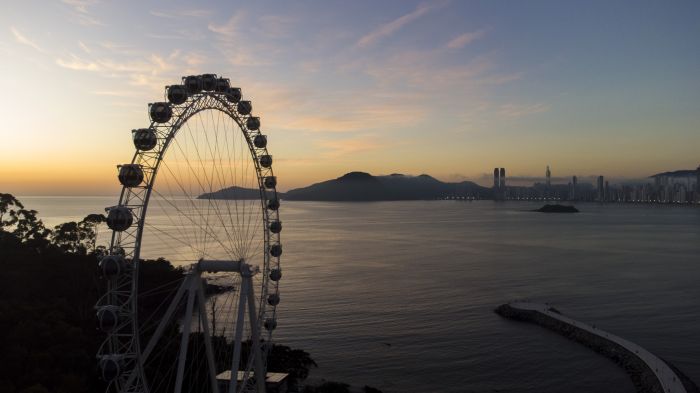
<point x="200" y="193"/>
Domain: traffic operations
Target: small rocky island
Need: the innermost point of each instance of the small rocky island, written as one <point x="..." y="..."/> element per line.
<point x="556" y="209"/>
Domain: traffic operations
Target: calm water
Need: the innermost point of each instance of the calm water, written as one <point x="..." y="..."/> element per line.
<point x="399" y="295"/>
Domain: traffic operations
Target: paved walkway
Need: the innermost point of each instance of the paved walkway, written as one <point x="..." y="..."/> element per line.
<point x="670" y="382"/>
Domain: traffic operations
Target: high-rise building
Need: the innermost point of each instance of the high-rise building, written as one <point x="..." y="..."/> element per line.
<point x="548" y="173"/>
<point x="496" y="179"/>
<point x="607" y="196"/>
<point x="573" y="189"/>
<point x="502" y="178"/>
<point x="600" y="189"/>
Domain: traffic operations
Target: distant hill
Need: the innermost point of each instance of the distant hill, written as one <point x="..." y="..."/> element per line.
<point x="679" y="173"/>
<point x="361" y="186"/>
<point x="233" y="193"/>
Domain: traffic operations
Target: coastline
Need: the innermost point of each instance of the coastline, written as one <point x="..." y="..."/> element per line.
<point x="643" y="377"/>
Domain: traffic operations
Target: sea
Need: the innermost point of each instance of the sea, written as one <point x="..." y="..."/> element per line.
<point x="400" y="295"/>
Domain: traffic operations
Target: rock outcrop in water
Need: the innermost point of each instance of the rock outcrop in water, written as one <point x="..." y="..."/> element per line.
<point x="556" y="209"/>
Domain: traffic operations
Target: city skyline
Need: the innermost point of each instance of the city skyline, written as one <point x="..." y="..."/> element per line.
<point x="444" y="88"/>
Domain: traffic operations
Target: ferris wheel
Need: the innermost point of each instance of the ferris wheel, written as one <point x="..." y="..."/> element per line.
<point x="203" y="174"/>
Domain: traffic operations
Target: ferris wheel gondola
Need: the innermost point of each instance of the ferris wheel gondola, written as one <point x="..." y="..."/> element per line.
<point x="203" y="174"/>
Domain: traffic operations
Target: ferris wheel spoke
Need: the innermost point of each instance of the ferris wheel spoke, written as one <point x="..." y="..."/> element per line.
<point x="182" y="213"/>
<point x="204" y="139"/>
<point x="191" y="236"/>
<point x="158" y="230"/>
<point x="232" y="170"/>
<point x="204" y="189"/>
<point x="179" y="226"/>
<point x="195" y="209"/>
<point x="237" y="233"/>
<point x="235" y="238"/>
<point x="174" y="206"/>
<point x="215" y="170"/>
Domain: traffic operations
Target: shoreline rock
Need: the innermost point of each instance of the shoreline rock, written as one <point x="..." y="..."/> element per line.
<point x="643" y="378"/>
<point x="557" y="209"/>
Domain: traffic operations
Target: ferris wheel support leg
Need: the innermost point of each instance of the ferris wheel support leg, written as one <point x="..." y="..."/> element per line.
<point x="242" y="293"/>
<point x="207" y="337"/>
<point x="160" y="329"/>
<point x="260" y="375"/>
<point x="184" y="342"/>
<point x="165" y="320"/>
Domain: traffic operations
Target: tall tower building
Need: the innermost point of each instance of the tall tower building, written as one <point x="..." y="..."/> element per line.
<point x="697" y="185"/>
<point x="502" y="178"/>
<point x="549" y="177"/>
<point x="573" y="189"/>
<point x="496" y="179"/>
<point x="600" y="189"/>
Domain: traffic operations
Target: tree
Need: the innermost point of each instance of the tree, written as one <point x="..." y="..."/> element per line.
<point x="9" y="205"/>
<point x="69" y="237"/>
<point x="91" y="223"/>
<point x="296" y="362"/>
<point x="17" y="220"/>
<point x="78" y="237"/>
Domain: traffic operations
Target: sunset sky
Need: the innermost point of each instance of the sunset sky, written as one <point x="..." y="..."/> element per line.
<point x="448" y="88"/>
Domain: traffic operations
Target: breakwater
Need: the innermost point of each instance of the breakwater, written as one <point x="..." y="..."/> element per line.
<point x="649" y="373"/>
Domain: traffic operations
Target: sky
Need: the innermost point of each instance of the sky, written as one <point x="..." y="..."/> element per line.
<point x="448" y="88"/>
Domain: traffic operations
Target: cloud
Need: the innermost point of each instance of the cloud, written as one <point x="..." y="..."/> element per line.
<point x="20" y="38"/>
<point x="78" y="64"/>
<point x="116" y="93"/>
<point x="152" y="71"/>
<point x="87" y="20"/>
<point x="395" y="25"/>
<point x="518" y="110"/>
<point x="230" y="28"/>
<point x="184" y="34"/>
<point x="84" y="47"/>
<point x="347" y="117"/>
<point x="425" y="70"/>
<point x="119" y="49"/>
<point x="189" y="13"/>
<point x="338" y="148"/>
<point x="275" y="26"/>
<point x="82" y="13"/>
<point x="80" y="5"/>
<point x="465" y="39"/>
<point x="240" y="49"/>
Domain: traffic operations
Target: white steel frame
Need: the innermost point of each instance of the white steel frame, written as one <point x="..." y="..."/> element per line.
<point x="123" y="341"/>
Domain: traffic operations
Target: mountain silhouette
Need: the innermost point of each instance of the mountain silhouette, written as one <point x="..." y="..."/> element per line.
<point x="232" y="193"/>
<point x="361" y="186"/>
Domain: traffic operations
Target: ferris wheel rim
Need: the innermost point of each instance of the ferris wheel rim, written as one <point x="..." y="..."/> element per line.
<point x="180" y="115"/>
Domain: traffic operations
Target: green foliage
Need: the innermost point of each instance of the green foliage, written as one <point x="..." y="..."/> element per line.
<point x="9" y="205"/>
<point x="296" y="362"/>
<point x="47" y="321"/>
<point x="48" y="338"/>
<point x="20" y="222"/>
<point x="78" y="237"/>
